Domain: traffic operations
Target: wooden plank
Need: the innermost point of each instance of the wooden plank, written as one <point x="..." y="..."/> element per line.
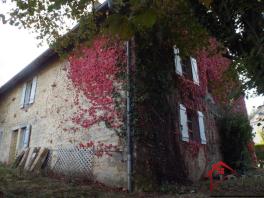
<point x="31" y="150"/>
<point x="42" y="155"/>
<point x="18" y="159"/>
<point x="24" y="158"/>
<point x="31" y="157"/>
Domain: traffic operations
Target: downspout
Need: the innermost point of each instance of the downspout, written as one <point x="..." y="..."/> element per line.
<point x="128" y="120"/>
<point x="128" y="111"/>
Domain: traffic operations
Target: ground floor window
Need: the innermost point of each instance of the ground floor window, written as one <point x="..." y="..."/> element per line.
<point x="192" y="125"/>
<point x="24" y="138"/>
<point x="20" y="139"/>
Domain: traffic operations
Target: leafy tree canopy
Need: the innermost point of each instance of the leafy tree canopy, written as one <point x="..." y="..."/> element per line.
<point x="237" y="24"/>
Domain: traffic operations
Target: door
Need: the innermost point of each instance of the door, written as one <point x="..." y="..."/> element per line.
<point x="13" y="145"/>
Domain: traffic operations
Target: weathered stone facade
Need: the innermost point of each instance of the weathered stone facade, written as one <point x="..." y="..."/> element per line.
<point x="50" y="120"/>
<point x="165" y="150"/>
<point x="162" y="152"/>
<point x="199" y="164"/>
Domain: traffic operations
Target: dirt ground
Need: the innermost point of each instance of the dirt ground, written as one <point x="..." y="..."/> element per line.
<point x="15" y="184"/>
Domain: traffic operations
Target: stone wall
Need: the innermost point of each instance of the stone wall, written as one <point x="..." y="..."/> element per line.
<point x="199" y="163"/>
<point x="51" y="124"/>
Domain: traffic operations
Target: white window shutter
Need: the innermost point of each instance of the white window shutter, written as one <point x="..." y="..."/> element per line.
<point x="22" y="101"/>
<point x="183" y="124"/>
<point x="195" y="71"/>
<point x="33" y="90"/>
<point x="177" y="61"/>
<point x="27" y="137"/>
<point x="201" y="127"/>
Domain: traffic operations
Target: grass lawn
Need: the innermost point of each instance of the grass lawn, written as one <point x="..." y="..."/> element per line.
<point x="13" y="184"/>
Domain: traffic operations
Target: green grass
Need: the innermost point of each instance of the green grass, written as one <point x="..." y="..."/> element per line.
<point x="14" y="184"/>
<point x="248" y="187"/>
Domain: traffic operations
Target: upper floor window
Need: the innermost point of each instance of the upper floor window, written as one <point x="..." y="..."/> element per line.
<point x="28" y="93"/>
<point x="192" y="125"/>
<point x="186" y="66"/>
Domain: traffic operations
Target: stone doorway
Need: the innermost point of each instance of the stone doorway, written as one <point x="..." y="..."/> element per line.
<point x="13" y="145"/>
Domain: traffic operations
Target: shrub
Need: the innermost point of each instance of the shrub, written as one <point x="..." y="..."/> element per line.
<point x="235" y="133"/>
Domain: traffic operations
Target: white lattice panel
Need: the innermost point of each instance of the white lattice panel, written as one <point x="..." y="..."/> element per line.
<point x="74" y="161"/>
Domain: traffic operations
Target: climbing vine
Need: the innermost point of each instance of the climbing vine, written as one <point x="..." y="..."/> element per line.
<point x="211" y="67"/>
<point x="100" y="148"/>
<point x="159" y="90"/>
<point x="216" y="78"/>
<point x="95" y="72"/>
<point x="193" y="148"/>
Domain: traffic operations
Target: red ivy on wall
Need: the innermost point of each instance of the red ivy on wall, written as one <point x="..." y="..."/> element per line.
<point x="94" y="72"/>
<point x="193" y="148"/>
<point x="212" y="66"/>
<point x="100" y="148"/>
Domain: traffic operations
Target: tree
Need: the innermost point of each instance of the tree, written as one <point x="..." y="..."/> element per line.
<point x="237" y="24"/>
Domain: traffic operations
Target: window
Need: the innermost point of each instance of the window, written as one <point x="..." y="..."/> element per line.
<point x="22" y="138"/>
<point x="28" y="93"/>
<point x="186" y="66"/>
<point x="192" y="125"/>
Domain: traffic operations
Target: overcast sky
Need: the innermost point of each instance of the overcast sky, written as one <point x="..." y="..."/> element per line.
<point x="18" y="48"/>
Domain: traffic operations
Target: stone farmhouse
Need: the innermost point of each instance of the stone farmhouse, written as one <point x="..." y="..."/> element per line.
<point x="37" y="106"/>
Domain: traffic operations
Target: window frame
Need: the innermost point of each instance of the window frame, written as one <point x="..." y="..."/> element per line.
<point x="191" y="68"/>
<point x="28" y="93"/>
<point x="22" y="138"/>
<point x="20" y="142"/>
<point x="194" y="131"/>
<point x="187" y="68"/>
<point x="196" y="119"/>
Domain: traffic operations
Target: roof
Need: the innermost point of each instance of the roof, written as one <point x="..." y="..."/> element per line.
<point x="34" y="66"/>
<point x="42" y="60"/>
